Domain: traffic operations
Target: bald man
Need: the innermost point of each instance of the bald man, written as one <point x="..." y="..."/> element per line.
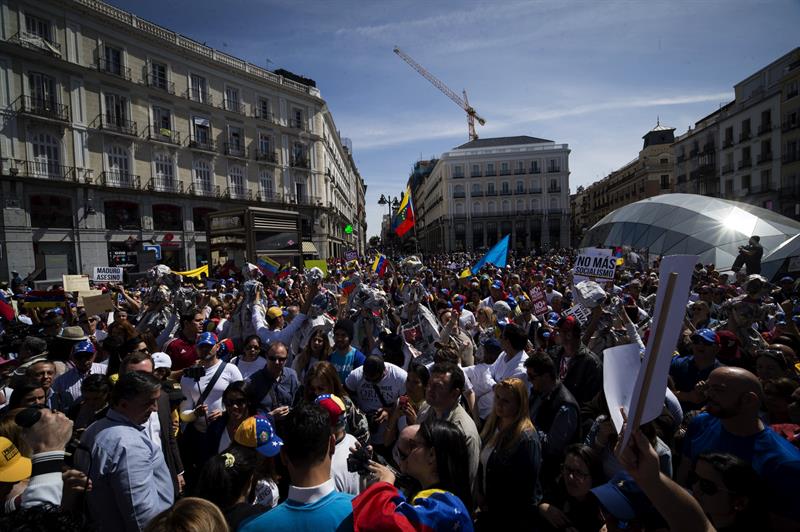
<point x="731" y="425"/>
<point x="403" y="447"/>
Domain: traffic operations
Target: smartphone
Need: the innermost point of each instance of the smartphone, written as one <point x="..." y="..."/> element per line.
<point x="403" y="401"/>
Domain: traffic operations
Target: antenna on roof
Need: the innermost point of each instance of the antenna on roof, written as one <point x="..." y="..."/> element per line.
<point x="658" y="120"/>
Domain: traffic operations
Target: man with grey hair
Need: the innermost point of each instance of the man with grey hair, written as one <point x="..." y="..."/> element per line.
<point x="131" y="482"/>
<point x="275" y="386"/>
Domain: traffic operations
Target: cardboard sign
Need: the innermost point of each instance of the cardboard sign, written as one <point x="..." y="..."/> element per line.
<point x="90" y="293"/>
<point x="581" y="313"/>
<point x="75" y="283"/>
<point x="97" y="304"/>
<point x="539" y="300"/>
<point x="596" y="264"/>
<point x="107" y="275"/>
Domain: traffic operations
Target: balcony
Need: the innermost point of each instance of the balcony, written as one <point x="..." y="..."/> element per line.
<point x="234" y="106"/>
<point x="791" y="157"/>
<point x="263" y="115"/>
<point x="300" y="162"/>
<point x="554" y="211"/>
<point x="520" y="192"/>
<point x="206" y="190"/>
<point x="458" y="176"/>
<point x="268" y="196"/>
<point x="267" y="156"/>
<point x="235" y="149"/>
<point x="161" y="134"/>
<point x="476" y="174"/>
<point x="764" y="128"/>
<point x="303" y="200"/>
<point x="727" y="143"/>
<point x="744" y="135"/>
<point x="200" y="96"/>
<point x="505" y="172"/>
<point x="297" y="124"/>
<point x="115" y="124"/>
<point x="476" y="193"/>
<point x="117" y="179"/>
<point x="459" y="194"/>
<point x="41" y="108"/>
<point x="506" y="192"/>
<point x="762" y="189"/>
<point x="36" y="42"/>
<point x="535" y="170"/>
<point x="727" y="169"/>
<point x="745" y="163"/>
<point x="159" y="82"/>
<point x="554" y="190"/>
<point x="238" y="192"/>
<point x="201" y="144"/>
<point x="789" y="126"/>
<point x="491" y="193"/>
<point x="113" y="68"/>
<point x="764" y="158"/>
<point x="536" y="191"/>
<point x="553" y="169"/>
<point x="460" y="216"/>
<point x="519" y="171"/>
<point x="43" y="170"/>
<point x="490" y="173"/>
<point x="708" y="147"/>
<point x="165" y="184"/>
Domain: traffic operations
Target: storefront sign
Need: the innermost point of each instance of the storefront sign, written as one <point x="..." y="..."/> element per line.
<point x="219" y="223"/>
<point x="103" y="275"/>
<point x="169" y="241"/>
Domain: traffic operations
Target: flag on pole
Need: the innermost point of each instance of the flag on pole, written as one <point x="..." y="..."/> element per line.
<point x="268" y="266"/>
<point x="404" y="218"/>
<point x="497" y="256"/>
<point x="380" y="264"/>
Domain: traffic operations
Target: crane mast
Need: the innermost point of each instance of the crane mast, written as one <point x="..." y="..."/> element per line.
<point x="463" y="103"/>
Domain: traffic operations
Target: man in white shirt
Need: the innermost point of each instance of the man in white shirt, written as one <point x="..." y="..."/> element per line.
<point x="550" y="292"/>
<point x="511" y="363"/>
<point x="83" y="365"/>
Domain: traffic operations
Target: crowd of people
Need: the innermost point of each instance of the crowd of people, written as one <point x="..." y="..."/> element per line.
<point x="425" y="397"/>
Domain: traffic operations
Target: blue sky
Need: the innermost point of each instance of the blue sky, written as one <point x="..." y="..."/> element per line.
<point x="593" y="74"/>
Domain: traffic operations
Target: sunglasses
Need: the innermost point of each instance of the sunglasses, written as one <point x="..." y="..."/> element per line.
<point x="236" y="402"/>
<point x="278" y="359"/>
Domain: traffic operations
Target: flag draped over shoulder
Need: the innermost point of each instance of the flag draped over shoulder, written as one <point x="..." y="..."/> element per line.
<point x="404" y="218"/>
<point x="497" y="256"/>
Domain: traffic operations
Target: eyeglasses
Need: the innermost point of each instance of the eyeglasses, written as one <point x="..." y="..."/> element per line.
<point x="706" y="486"/>
<point x="577" y="474"/>
<point x="412" y="446"/>
<point x="278" y="359"/>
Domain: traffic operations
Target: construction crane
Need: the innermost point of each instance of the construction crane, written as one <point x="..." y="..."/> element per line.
<point x="472" y="115"/>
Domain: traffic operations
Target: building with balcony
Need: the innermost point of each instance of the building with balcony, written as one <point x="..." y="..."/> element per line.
<point x="485" y="189"/>
<point x="790" y="139"/>
<point x="651" y="173"/>
<point x="119" y="132"/>
<point x="696" y="156"/>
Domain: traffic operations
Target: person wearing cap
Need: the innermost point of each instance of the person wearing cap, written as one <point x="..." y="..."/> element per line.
<point x="162" y="365"/>
<point x="344" y="357"/>
<point x="691" y="372"/>
<point x="83" y="364"/>
<point x="131" y="482"/>
<point x="13" y="467"/>
<point x="269" y="323"/>
<point x="346" y="481"/>
<point x="550" y="292"/>
<point x="275" y="387"/>
<point x="313" y="503"/>
<point x="496" y="293"/>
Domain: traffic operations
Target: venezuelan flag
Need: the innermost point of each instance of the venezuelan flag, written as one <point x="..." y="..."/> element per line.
<point x="380" y="264"/>
<point x="284" y="271"/>
<point x="404" y="219"/>
<point x="268" y="266"/>
<point x="348" y="286"/>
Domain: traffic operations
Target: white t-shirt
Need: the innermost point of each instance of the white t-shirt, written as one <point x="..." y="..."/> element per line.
<point x="467" y="320"/>
<point x="214" y="400"/>
<point x="391" y="386"/>
<point x="248" y="368"/>
<point x="502" y="369"/>
<point x="483" y="385"/>
<point x="550" y="295"/>
<point x="345" y="481"/>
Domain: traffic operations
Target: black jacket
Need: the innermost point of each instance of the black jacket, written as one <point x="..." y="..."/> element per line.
<point x="169" y="445"/>
<point x="512" y="490"/>
<point x="584" y="378"/>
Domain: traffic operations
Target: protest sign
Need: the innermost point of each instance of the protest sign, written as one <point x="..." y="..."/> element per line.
<point x="90" y="293"/>
<point x="75" y="283"/>
<point x="350" y="254"/>
<point x="97" y="304"/>
<point x="581" y="313"/>
<point x="107" y="274"/>
<point x="595" y="264"/>
<point x="620" y="368"/>
<point x="539" y="301"/>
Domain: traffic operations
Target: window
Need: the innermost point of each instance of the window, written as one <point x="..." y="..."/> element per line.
<point x="122" y="215"/>
<point x="477" y="235"/>
<point x="476" y="189"/>
<point x="298" y="119"/>
<point x="746" y="128"/>
<point x="506" y="207"/>
<point x="554" y="165"/>
<point x="664" y="181"/>
<point x="490" y="208"/>
<point x="520" y="167"/>
<point x="46" y="155"/>
<point x="766" y="119"/>
<point x="263" y="109"/>
<point x="554" y="187"/>
<point x="265" y="145"/>
<point x="116" y="110"/>
<point x="38" y="27"/>
<point x="745" y="183"/>
<point x="43" y="91"/>
<point x="162" y="122"/>
<point x="535" y="168"/>
<point x="111" y="61"/>
<point x="534" y="204"/>
<point x="158" y="75"/>
<point x="476" y="170"/>
<point x="520" y="187"/>
<point x="232" y="99"/>
<point x="476" y="208"/>
<point x="235" y="141"/>
<point x="490" y="169"/>
<point x="167" y="218"/>
<point x="165" y="172"/>
<point x="504" y="188"/>
<point x="504" y="169"/>
<point x="458" y="191"/>
<point x="237" y="186"/>
<point x="200" y="218"/>
<point x="266" y="185"/>
<point x="202" y="177"/>
<point x="553" y="204"/>
<point x="201" y="131"/>
<point x="299" y="155"/>
<point x="198" y="89"/>
<point x="51" y="211"/>
<point x="119" y="166"/>
<point x="458" y="171"/>
<point x="490" y="189"/>
<point x="663" y="161"/>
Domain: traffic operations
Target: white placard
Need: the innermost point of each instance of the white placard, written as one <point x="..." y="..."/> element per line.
<point x="107" y="274"/>
<point x="581" y="313"/>
<point x="595" y="264"/>
<point x="75" y="283"/>
<point x="620" y="368"/>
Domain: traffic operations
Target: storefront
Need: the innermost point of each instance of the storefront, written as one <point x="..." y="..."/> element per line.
<point x="244" y="235"/>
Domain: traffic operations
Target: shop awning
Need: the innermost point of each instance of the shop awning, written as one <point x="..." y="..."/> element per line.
<point x="309" y="249"/>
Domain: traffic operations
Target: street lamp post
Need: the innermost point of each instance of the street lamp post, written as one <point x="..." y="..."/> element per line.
<point x="393" y="203"/>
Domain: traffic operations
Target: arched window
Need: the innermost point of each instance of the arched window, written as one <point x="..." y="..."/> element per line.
<point x="476" y="208"/>
<point x="202" y="177"/>
<point x="119" y="171"/>
<point x="46" y="156"/>
<point x="165" y="172"/>
<point x="476" y="189"/>
<point x="236" y="182"/>
<point x="520" y="206"/>
<point x="51" y="211"/>
<point x="167" y="218"/>
<point x="266" y="185"/>
<point x="122" y="215"/>
<point x="553" y="203"/>
<point x="535" y="204"/>
<point x="459" y="208"/>
<point x="506" y="207"/>
<point x="490" y="209"/>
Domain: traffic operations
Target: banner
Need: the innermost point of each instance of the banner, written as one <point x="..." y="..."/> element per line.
<point x="75" y="283"/>
<point x="104" y="275"/>
<point x="197" y="272"/>
<point x="595" y="264"/>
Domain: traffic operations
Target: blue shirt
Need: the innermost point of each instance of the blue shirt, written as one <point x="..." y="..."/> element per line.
<point x="346" y="363"/>
<point x="131" y="483"/>
<point x="775" y="460"/>
<point x="686" y="375"/>
<point x="317" y="509"/>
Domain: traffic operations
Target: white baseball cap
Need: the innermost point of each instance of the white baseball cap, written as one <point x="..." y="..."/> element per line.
<point x="161" y="360"/>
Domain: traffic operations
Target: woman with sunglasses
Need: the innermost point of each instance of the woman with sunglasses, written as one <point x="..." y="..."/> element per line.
<point x="437" y="459"/>
<point x="571" y="505"/>
<point x="238" y="407"/>
<point x="252" y="357"/>
<point x="510" y="461"/>
<point x="729" y="491"/>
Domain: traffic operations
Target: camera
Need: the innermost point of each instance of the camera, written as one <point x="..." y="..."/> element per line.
<point x="195" y="372"/>
<point x="358" y="461"/>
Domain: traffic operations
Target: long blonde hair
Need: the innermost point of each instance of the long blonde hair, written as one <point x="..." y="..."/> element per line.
<point x="190" y="514"/>
<point x="509" y="436"/>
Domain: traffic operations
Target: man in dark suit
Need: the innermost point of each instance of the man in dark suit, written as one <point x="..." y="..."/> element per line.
<point x="159" y="425"/>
